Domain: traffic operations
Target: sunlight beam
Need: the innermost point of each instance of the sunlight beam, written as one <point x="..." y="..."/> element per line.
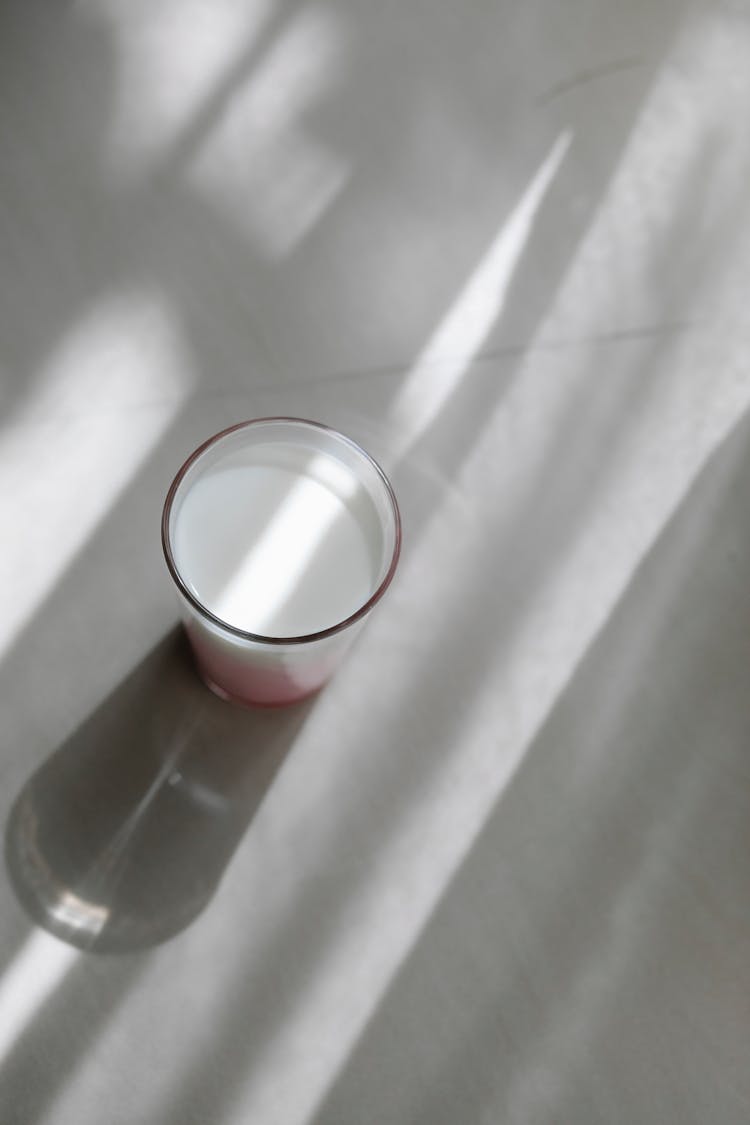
<point x="276" y="563"/>
<point x="271" y="176"/>
<point x="460" y="336"/>
<point x="29" y="981"/>
<point x="168" y="61"/>
<point x="105" y="399"/>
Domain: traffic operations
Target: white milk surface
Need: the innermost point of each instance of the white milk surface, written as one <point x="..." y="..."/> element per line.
<point x="278" y="539"/>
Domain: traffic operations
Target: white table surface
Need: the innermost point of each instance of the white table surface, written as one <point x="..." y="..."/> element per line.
<point x="498" y="872"/>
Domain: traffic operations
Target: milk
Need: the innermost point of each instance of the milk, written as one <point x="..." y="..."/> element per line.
<point x="279" y="540"/>
<point x="282" y="532"/>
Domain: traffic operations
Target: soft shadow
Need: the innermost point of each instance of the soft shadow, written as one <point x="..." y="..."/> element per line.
<point x="189" y="249"/>
<point x="121" y="838"/>
<point x="68" y="1028"/>
<point x="592" y="942"/>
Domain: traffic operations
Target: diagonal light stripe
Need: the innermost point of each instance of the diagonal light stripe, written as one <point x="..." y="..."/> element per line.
<point x="30" y="980"/>
<point x="104" y="401"/>
<point x="459" y="338"/>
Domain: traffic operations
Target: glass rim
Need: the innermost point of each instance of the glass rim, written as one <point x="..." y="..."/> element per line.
<point x="244" y="634"/>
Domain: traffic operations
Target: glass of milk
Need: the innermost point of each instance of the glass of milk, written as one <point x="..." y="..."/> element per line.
<point x="281" y="535"/>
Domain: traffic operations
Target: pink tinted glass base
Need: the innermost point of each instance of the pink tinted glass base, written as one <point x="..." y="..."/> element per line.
<point x="252" y="703"/>
<point x="250" y="684"/>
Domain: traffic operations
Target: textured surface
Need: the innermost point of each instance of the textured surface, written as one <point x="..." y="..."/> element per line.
<point x="498" y="870"/>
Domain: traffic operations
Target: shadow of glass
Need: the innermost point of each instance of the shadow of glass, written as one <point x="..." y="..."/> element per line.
<point x="568" y="487"/>
<point x="120" y="839"/>
<point x="409" y="789"/>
